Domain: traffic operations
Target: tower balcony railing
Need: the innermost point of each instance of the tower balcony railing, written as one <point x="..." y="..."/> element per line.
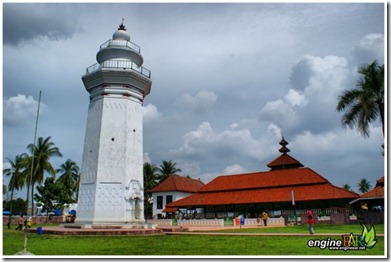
<point x="119" y="64"/>
<point x="121" y="43"/>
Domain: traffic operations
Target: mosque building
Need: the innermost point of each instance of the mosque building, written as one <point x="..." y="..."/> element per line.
<point x="287" y="186"/>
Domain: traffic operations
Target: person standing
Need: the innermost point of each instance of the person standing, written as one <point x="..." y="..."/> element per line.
<point x="265" y="216"/>
<point x="9" y="221"/>
<point x="20" y="223"/>
<point x="310" y="221"/>
<point x="29" y="222"/>
<point x="180" y="219"/>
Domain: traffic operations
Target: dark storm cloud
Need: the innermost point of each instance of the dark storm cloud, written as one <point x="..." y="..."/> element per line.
<point x="27" y="22"/>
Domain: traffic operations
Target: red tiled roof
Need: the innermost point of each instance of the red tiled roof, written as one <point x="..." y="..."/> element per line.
<point x="178" y="183"/>
<point x="284" y="161"/>
<point x="170" y="209"/>
<point x="266" y="195"/>
<point x="377" y="192"/>
<point x="265" y="187"/>
<point x="380" y="182"/>
<point x="268" y="179"/>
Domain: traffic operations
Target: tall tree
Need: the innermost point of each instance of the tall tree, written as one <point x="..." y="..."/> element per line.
<point x="69" y="175"/>
<point x="166" y="169"/>
<point x="150" y="181"/>
<point x="52" y="195"/>
<point x="42" y="153"/>
<point x="364" y="104"/>
<point x="364" y="185"/>
<point x="16" y="171"/>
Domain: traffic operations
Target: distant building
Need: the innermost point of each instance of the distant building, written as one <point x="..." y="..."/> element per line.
<point x="175" y="187"/>
<point x="287" y="183"/>
<point x="373" y="199"/>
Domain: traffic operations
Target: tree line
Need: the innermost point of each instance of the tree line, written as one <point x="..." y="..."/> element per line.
<point x="55" y="192"/>
<point x="29" y="169"/>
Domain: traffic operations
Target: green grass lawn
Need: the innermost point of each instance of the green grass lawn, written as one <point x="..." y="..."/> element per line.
<point x="183" y="245"/>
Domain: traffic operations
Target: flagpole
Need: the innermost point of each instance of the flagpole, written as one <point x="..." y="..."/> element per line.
<point x="294" y="205"/>
<point x="31" y="175"/>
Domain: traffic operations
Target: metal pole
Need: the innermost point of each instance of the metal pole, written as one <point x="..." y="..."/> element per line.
<point x="294" y="205"/>
<point x="31" y="174"/>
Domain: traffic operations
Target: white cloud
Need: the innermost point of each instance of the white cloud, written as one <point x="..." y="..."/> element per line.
<point x="216" y="150"/>
<point x="150" y="113"/>
<point x="234" y="169"/>
<point x="234" y="125"/>
<point x="19" y="109"/>
<point x="370" y="48"/>
<point x="280" y="112"/>
<point x="275" y="130"/>
<point x="317" y="84"/>
<point x="295" y="98"/>
<point x="200" y="103"/>
<point x="338" y="141"/>
<point x="146" y="158"/>
<point x="328" y="78"/>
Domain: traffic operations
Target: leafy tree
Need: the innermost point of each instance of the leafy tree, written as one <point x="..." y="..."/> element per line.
<point x="18" y="166"/>
<point x="364" y="104"/>
<point x="42" y="152"/>
<point x="150" y="181"/>
<point x="166" y="169"/>
<point x="364" y="185"/>
<point x="52" y="195"/>
<point x="18" y="205"/>
<point x="69" y="176"/>
<point x="346" y="186"/>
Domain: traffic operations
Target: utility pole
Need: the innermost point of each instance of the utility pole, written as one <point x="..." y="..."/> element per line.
<point x="24" y="252"/>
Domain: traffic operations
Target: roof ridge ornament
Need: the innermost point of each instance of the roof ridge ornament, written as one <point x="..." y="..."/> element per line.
<point x="283" y="148"/>
<point x="121" y="26"/>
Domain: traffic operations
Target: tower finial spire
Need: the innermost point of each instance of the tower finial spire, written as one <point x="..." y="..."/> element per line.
<point x="283" y="143"/>
<point x="121" y="26"/>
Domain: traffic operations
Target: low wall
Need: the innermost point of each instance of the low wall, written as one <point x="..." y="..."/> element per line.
<point x="203" y="222"/>
<point x="160" y="222"/>
<point x="259" y="222"/>
<point x="36" y="219"/>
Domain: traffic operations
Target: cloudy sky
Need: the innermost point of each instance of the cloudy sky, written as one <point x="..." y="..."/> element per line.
<point x="229" y="80"/>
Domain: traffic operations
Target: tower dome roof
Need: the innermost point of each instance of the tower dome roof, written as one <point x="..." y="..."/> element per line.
<point x="121" y="33"/>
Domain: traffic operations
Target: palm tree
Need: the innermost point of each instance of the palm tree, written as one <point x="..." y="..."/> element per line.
<point x="18" y="166"/>
<point x="150" y="175"/>
<point x="346" y="186"/>
<point x="166" y="169"/>
<point x="364" y="185"/>
<point x="150" y="181"/>
<point x="365" y="103"/>
<point x="69" y="176"/>
<point x="42" y="152"/>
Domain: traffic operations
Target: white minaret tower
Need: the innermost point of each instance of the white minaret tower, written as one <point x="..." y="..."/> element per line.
<point x="111" y="182"/>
